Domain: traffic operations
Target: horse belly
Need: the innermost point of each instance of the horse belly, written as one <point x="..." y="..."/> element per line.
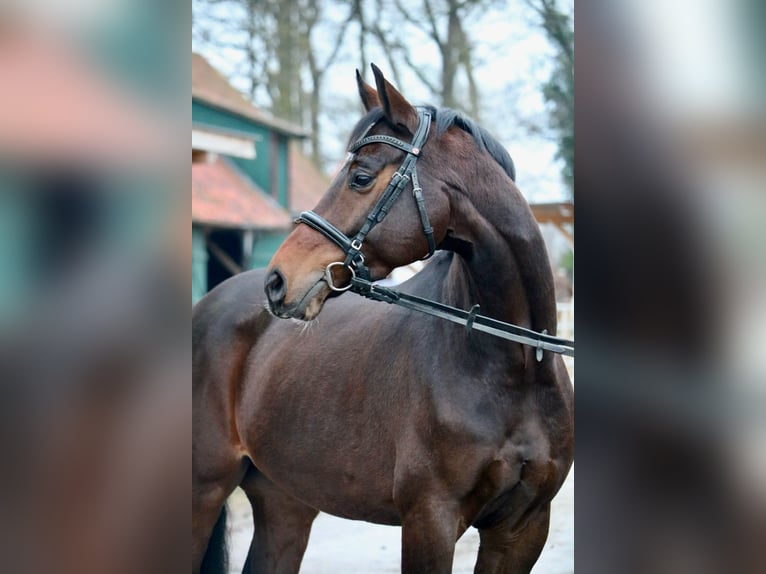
<point x="326" y="448"/>
<point x="320" y="471"/>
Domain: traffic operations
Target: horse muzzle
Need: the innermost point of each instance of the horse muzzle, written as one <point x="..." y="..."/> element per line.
<point x="306" y="306"/>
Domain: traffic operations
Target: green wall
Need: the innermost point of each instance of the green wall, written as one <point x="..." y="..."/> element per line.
<point x="258" y="169"/>
<point x="17" y="236"/>
<point x="264" y="246"/>
<point x="266" y="243"/>
<point x="199" y="264"/>
<point x="282" y="171"/>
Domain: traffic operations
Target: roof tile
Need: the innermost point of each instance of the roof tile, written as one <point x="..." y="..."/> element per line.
<point x="223" y="197"/>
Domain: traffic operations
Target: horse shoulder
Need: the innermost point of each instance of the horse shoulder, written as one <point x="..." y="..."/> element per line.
<point x="226" y="323"/>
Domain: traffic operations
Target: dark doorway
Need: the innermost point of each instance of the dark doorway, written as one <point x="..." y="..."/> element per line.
<point x="224" y="247"/>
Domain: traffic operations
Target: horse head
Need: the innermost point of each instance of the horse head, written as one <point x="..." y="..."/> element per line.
<point x="381" y="222"/>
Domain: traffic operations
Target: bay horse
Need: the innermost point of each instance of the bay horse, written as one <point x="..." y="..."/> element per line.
<point x="368" y="411"/>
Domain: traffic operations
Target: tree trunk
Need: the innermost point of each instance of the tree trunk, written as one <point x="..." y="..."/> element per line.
<point x="250" y="48"/>
<point x="314" y="107"/>
<point x="359" y="10"/>
<point x="289" y="73"/>
<point x="450" y="51"/>
<point x="466" y="60"/>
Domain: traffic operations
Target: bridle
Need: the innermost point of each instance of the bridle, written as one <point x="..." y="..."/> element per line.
<point x="407" y="171"/>
<point x="361" y="282"/>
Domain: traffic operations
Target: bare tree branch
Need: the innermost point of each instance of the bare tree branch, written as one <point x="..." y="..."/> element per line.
<point x="555" y="24"/>
<point x="420" y="73"/>
<point x="466" y="60"/>
<point x="389" y="50"/>
<point x="338" y="42"/>
<point x="434" y="28"/>
<point x="406" y="13"/>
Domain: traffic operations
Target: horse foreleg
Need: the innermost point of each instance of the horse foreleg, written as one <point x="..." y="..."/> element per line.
<point x="207" y="505"/>
<point x="282" y="526"/>
<point x="513" y="549"/>
<point x="429" y="532"/>
<point x="208" y="498"/>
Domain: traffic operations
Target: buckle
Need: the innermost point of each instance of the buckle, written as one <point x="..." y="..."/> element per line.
<point x="356" y="245"/>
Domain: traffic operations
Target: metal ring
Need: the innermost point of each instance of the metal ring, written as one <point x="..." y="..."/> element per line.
<point x="328" y="276"/>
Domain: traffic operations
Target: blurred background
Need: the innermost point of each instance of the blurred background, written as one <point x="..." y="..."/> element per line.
<point x="671" y="386"/>
<point x="95" y="399"/>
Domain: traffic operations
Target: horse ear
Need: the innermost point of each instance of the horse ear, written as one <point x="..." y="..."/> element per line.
<point x="397" y="109"/>
<point x="368" y="94"/>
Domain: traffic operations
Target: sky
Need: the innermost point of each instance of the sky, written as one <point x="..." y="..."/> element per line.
<point x="513" y="60"/>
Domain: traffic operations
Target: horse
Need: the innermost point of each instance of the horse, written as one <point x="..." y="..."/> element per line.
<point x="313" y="400"/>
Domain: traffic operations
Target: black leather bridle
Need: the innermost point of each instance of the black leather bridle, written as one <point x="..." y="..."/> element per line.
<point x="360" y="275"/>
<point x="407" y="171"/>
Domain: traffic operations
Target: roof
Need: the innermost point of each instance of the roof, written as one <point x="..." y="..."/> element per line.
<point x="557" y="213"/>
<point x="211" y="87"/>
<point x="307" y="183"/>
<point x="56" y="105"/>
<point x="223" y="197"/>
<point x="560" y="214"/>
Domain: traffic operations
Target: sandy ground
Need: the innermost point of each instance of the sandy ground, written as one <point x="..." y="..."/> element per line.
<point x="339" y="546"/>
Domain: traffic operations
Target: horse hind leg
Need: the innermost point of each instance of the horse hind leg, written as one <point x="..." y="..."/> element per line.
<point x="510" y="549"/>
<point x="281" y="524"/>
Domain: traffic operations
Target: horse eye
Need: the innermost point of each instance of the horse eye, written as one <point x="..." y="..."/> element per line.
<point x="361" y="180"/>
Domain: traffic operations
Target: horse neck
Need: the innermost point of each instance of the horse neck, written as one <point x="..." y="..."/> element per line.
<point x="506" y="268"/>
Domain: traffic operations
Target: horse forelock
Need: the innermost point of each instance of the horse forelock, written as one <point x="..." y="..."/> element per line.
<point x="445" y="118"/>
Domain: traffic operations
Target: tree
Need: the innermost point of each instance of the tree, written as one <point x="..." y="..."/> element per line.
<point x="276" y="40"/>
<point x="444" y="22"/>
<point x="287" y="51"/>
<point x="396" y="28"/>
<point x="558" y="91"/>
<point x="317" y="72"/>
<point x="244" y="27"/>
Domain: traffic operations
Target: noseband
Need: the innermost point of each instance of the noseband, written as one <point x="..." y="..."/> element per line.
<point x="407" y="171"/>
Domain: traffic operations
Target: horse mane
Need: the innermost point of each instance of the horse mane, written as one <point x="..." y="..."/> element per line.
<point x="446" y="118"/>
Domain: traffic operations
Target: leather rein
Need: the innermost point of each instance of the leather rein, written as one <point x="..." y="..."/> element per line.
<point x="361" y="283"/>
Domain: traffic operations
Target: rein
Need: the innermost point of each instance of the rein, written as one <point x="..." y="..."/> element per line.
<point x="361" y="283"/>
<point x="471" y="319"/>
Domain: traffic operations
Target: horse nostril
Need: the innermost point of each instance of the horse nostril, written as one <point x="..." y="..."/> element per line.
<point x="276" y="286"/>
